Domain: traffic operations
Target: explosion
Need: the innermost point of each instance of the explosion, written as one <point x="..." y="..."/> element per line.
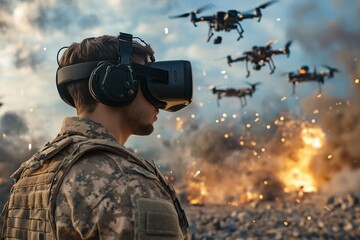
<point x="239" y="165"/>
<point x="297" y="173"/>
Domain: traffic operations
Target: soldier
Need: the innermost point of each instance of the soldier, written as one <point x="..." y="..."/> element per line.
<point x="85" y="184"/>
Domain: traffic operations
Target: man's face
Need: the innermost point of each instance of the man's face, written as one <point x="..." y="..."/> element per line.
<point x="140" y="115"/>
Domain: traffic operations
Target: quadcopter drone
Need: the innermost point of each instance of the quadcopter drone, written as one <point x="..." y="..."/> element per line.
<point x="224" y="20"/>
<point x="259" y="55"/>
<point x="303" y="75"/>
<point x="241" y="93"/>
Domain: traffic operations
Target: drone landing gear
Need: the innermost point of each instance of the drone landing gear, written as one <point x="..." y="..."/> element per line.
<point x="243" y="101"/>
<point x="247" y="69"/>
<point x="210" y="33"/>
<point x="271" y="66"/>
<point x="240" y="31"/>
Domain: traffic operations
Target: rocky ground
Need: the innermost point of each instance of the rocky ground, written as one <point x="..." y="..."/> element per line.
<point x="311" y="218"/>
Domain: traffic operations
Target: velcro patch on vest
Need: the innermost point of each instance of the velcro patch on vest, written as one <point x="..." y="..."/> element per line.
<point x="156" y="219"/>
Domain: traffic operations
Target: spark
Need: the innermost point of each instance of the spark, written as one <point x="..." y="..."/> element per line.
<point x="44" y="48"/>
<point x="357" y="81"/>
<point x="327" y="208"/>
<point x="253" y="143"/>
<point x="199" y="88"/>
<point x="226" y="77"/>
<point x="255" y="153"/>
<point x="234" y="115"/>
<point x="31" y="109"/>
<point x="286" y="223"/>
<point x="266" y="182"/>
<point x="329" y="156"/>
<point x="226" y="135"/>
<point x="283" y="99"/>
<point x="263" y="149"/>
<point x="223" y="72"/>
<point x="283" y="140"/>
<point x="201" y="104"/>
<point x="222" y="119"/>
<point x="256" y="120"/>
<point x="268" y="126"/>
<point x="178" y="119"/>
<point x="248" y="125"/>
<point x="4" y="135"/>
<point x="224" y="115"/>
<point x="313" y="120"/>
<point x="158" y="136"/>
<point x="319" y="95"/>
<point x="261" y="196"/>
<point x="257" y="114"/>
<point x="278" y="19"/>
<point x="217" y="121"/>
<point x="282" y="118"/>
<point x="308" y="218"/>
<point x="192" y="116"/>
<point x="30" y="146"/>
<point x="316" y="111"/>
<point x="204" y="73"/>
<point x="166" y="30"/>
<point x="241" y="143"/>
<point x="197" y="173"/>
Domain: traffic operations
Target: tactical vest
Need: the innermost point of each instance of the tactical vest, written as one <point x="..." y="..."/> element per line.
<point x="29" y="212"/>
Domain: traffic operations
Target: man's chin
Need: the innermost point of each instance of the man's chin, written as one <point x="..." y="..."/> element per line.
<point x="145" y="130"/>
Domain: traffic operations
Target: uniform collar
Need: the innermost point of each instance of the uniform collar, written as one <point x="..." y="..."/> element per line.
<point x="84" y="127"/>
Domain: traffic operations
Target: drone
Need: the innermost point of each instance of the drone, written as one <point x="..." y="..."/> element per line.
<point x="224" y="20"/>
<point x="259" y="55"/>
<point x="303" y="75"/>
<point x="241" y="93"/>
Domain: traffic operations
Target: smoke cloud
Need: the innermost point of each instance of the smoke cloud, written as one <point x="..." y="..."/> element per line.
<point x="336" y="38"/>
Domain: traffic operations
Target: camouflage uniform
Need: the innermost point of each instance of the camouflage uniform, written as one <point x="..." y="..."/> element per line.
<point x="91" y="187"/>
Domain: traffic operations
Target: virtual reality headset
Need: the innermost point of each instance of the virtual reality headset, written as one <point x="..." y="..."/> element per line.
<point x="168" y="85"/>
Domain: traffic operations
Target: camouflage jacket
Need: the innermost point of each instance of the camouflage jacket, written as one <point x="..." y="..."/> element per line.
<point x="104" y="194"/>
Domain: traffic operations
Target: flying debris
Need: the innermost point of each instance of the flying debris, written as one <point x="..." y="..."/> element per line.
<point x="241" y="93"/>
<point x="224" y="20"/>
<point x="303" y="75"/>
<point x="259" y="56"/>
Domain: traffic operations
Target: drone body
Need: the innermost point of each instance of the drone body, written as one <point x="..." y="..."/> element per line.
<point x="259" y="56"/>
<point x="241" y="93"/>
<point x="224" y="20"/>
<point x="304" y="75"/>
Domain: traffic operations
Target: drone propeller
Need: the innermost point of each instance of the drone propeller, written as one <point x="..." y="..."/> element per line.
<point x="220" y="58"/>
<point x="270" y="42"/>
<point x="196" y="11"/>
<point x="265" y="5"/>
<point x="286" y="73"/>
<point x="253" y="85"/>
<point x="331" y="68"/>
<point x="287" y="48"/>
<point x="257" y="9"/>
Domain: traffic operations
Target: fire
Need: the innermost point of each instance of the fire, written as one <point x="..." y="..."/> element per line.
<point x="197" y="189"/>
<point x="297" y="175"/>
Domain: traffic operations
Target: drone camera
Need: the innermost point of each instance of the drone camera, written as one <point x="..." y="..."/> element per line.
<point x="217" y="40"/>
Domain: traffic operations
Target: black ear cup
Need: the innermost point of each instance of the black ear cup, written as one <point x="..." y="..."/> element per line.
<point x="113" y="85"/>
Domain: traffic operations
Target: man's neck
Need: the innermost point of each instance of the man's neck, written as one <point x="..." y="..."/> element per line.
<point x="110" y="119"/>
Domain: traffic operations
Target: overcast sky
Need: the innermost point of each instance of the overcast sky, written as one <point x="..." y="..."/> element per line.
<point x="31" y="33"/>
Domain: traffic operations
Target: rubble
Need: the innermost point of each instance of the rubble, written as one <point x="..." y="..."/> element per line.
<point x="313" y="218"/>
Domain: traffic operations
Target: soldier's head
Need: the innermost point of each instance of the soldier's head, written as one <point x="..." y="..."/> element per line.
<point x="103" y="48"/>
